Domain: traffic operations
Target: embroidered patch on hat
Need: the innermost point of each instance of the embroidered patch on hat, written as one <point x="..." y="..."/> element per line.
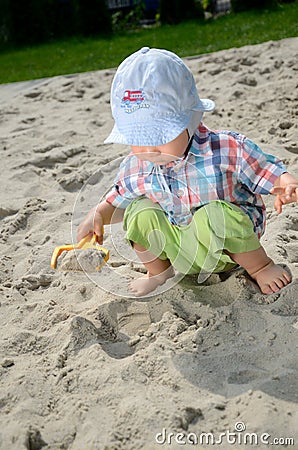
<point x="133" y="100"/>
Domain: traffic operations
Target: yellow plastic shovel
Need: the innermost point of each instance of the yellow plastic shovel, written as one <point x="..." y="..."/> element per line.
<point x="85" y="243"/>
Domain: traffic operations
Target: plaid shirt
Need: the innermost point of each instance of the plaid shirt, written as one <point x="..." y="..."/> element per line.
<point x="218" y="165"/>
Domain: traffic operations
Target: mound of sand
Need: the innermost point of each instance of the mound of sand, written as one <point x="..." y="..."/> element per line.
<point x="89" y="260"/>
<point x="84" y="365"/>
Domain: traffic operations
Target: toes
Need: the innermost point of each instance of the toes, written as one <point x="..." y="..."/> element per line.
<point x="273" y="279"/>
<point x="279" y="283"/>
<point x="133" y="290"/>
<point x="266" y="290"/>
<point x="283" y="280"/>
<point x="137" y="292"/>
<point x="287" y="277"/>
<point x="276" y="285"/>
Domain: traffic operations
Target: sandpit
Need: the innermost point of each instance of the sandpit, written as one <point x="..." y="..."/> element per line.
<point x="84" y="364"/>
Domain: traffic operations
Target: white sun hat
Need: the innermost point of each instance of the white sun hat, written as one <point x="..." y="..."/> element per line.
<point x="153" y="99"/>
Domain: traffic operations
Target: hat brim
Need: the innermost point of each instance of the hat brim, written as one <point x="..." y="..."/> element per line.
<point x="205" y="104"/>
<point x="159" y="132"/>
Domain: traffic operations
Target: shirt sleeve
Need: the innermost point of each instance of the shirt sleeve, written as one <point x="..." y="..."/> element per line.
<point x="258" y="170"/>
<point x="120" y="196"/>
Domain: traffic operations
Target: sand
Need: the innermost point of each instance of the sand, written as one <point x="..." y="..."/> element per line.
<point x="86" y="366"/>
<point x="89" y="260"/>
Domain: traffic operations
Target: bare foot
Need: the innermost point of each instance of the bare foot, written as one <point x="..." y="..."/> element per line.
<point x="144" y="285"/>
<point x="271" y="278"/>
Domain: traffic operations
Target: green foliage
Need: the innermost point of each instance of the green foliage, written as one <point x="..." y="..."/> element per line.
<point x="131" y="20"/>
<point x="176" y="11"/>
<point x="209" y="5"/>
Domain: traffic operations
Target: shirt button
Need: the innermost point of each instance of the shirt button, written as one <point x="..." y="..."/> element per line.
<point x="145" y="50"/>
<point x="180" y="192"/>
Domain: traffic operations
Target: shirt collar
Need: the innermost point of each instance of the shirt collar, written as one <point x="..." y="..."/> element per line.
<point x="184" y="157"/>
<point x="199" y="145"/>
<point x="201" y="141"/>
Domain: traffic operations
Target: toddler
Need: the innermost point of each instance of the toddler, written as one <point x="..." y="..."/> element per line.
<point x="189" y="197"/>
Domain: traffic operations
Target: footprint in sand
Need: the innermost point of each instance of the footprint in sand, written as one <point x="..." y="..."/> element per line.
<point x="19" y="220"/>
<point x="6" y="212"/>
<point x="74" y="180"/>
<point x="33" y="94"/>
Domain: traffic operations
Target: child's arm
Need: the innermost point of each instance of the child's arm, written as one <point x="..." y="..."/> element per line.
<point x="286" y="191"/>
<point x="102" y="214"/>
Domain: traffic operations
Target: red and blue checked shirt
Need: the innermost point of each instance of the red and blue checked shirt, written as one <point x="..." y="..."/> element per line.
<point x="219" y="165"/>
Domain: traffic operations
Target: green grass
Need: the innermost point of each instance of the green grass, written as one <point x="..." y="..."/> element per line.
<point x="186" y="39"/>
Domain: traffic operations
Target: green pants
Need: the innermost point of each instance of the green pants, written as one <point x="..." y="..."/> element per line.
<point x="198" y="246"/>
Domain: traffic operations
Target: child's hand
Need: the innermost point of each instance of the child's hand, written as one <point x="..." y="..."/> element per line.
<point x="284" y="194"/>
<point x="96" y="218"/>
<point x="93" y="223"/>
